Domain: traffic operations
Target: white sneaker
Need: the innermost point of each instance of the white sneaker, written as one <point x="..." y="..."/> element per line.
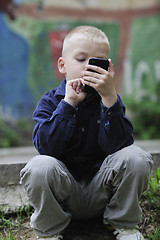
<point x="55" y="237"/>
<point x="127" y="234"/>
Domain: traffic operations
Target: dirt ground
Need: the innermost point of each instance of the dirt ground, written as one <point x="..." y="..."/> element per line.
<point x="86" y="230"/>
<point x="78" y="230"/>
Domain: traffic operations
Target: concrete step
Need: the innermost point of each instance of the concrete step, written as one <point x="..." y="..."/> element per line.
<point x="153" y="147"/>
<point x="12" y="160"/>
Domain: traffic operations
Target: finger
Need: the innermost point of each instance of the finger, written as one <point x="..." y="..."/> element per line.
<point x="92" y="79"/>
<point x="90" y="83"/>
<point x="111" y="67"/>
<point x="93" y="68"/>
<point x="78" y="87"/>
<point x="91" y="76"/>
<point x="82" y="84"/>
<point x="74" y="85"/>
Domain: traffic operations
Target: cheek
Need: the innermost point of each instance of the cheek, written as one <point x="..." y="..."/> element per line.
<point x="74" y="72"/>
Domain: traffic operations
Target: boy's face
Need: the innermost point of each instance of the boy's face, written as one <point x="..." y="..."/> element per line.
<point x="77" y="54"/>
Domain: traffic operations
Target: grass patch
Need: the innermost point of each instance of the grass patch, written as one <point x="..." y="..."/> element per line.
<point x="150" y="203"/>
<point x="15" y="226"/>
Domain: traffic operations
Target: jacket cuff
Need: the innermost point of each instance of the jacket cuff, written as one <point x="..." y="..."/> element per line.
<point x="116" y="110"/>
<point x="66" y="110"/>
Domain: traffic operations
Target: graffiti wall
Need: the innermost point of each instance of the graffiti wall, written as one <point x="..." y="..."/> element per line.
<point x="141" y="76"/>
<point x="30" y="47"/>
<point x="15" y="96"/>
<point x="29" y="65"/>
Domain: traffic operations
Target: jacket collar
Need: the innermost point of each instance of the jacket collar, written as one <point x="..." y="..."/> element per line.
<point x="61" y="89"/>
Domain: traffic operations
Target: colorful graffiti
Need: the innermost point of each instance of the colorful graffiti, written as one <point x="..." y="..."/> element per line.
<point x="42" y="43"/>
<point x="142" y="65"/>
<point x="56" y="43"/>
<point x="15" y="96"/>
<point x="30" y="47"/>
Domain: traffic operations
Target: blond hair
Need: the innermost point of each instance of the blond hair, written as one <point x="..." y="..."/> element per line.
<point x="90" y="33"/>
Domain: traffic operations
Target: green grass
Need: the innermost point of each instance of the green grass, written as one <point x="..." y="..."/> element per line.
<point x="11" y="225"/>
<point x="150" y="203"/>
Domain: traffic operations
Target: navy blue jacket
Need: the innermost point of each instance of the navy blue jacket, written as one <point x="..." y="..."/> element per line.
<point x="80" y="137"/>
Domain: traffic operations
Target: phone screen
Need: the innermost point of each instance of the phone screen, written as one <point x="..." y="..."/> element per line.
<point x="100" y="62"/>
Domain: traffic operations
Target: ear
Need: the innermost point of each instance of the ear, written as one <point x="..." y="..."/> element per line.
<point x="61" y="65"/>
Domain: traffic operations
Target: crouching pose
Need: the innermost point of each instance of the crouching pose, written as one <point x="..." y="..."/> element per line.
<point x="88" y="165"/>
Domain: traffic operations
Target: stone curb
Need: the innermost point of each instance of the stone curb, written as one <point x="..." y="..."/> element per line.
<point x="12" y="195"/>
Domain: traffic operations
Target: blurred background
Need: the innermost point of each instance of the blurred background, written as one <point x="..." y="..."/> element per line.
<point x="31" y="36"/>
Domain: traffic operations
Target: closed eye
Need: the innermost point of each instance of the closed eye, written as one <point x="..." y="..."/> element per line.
<point x="81" y="59"/>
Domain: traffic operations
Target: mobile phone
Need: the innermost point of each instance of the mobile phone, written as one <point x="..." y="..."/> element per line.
<point x="100" y="62"/>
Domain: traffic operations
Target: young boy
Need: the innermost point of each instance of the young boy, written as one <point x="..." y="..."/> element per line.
<point x="87" y="165"/>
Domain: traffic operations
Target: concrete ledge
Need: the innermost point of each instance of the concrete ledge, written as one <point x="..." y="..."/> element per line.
<point x="153" y="147"/>
<point x="17" y="155"/>
<point x="12" y="198"/>
<point x="12" y="160"/>
<point x="9" y="174"/>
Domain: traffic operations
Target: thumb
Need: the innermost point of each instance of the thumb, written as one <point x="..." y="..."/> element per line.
<point x="111" y="68"/>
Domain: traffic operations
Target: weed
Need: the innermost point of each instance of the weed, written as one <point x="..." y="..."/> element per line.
<point x="151" y="207"/>
<point x="156" y="234"/>
<point x="11" y="224"/>
<point x="153" y="193"/>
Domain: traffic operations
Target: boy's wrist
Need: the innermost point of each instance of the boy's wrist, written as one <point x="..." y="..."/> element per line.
<point x="108" y="101"/>
<point x="70" y="101"/>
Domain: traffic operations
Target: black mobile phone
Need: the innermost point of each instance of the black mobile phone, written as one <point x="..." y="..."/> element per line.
<point x="100" y="62"/>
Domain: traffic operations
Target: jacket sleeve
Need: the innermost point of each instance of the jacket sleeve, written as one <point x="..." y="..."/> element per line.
<point x="116" y="130"/>
<point x="54" y="124"/>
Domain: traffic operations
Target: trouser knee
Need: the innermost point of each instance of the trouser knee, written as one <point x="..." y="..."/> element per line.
<point x="45" y="173"/>
<point x="38" y="169"/>
<point x="130" y="164"/>
<point x="137" y="161"/>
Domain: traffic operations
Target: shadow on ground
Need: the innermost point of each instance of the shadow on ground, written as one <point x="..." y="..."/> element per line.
<point x="87" y="230"/>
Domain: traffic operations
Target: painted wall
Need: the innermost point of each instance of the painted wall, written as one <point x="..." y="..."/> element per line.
<point x="29" y="68"/>
<point x="141" y="75"/>
<point x="16" y="98"/>
<point x="31" y="45"/>
<point x="100" y="4"/>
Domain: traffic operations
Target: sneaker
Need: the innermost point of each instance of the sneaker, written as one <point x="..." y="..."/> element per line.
<point x="55" y="237"/>
<point x="127" y="234"/>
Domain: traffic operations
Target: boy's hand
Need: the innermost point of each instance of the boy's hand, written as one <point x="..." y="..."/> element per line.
<point x="74" y="91"/>
<point x="102" y="81"/>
